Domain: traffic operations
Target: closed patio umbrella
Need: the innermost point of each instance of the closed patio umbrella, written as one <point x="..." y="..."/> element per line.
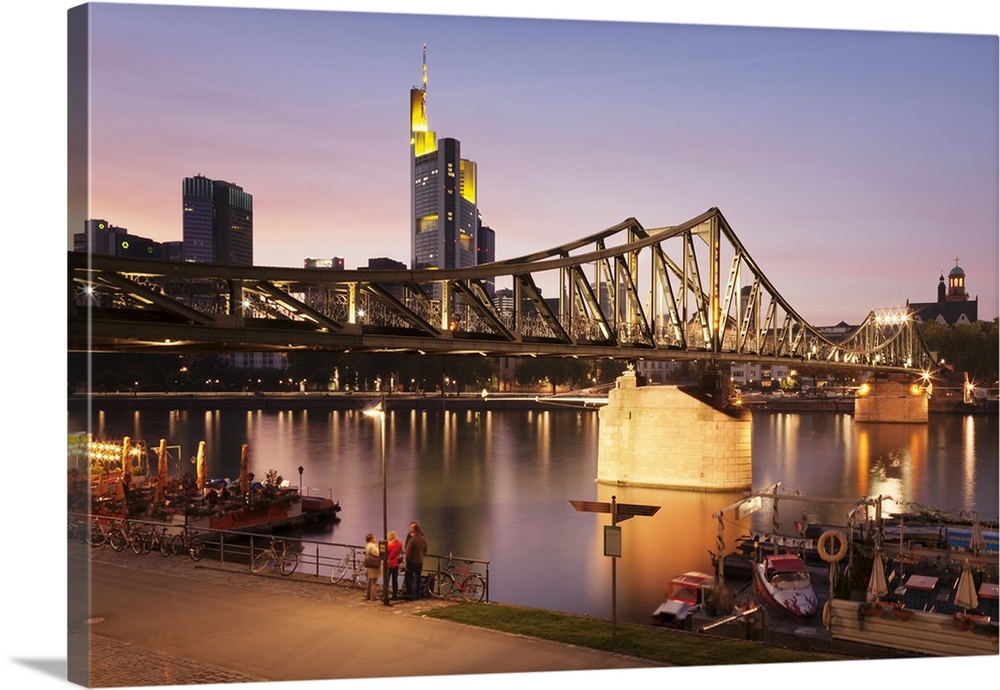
<point x="161" y="470"/>
<point x="244" y="469"/>
<point x="200" y="464"/>
<point x="877" y="587"/>
<point x="126" y="449"/>
<point x="965" y="590"/>
<point x="977" y="542"/>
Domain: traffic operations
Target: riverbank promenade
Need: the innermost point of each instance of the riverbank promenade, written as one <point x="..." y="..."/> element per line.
<point x="171" y="621"/>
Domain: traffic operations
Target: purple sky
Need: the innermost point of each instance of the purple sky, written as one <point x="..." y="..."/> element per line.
<point x="855" y="166"/>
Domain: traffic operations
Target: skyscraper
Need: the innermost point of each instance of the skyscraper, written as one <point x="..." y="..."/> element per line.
<point x="445" y="216"/>
<point x="218" y="222"/>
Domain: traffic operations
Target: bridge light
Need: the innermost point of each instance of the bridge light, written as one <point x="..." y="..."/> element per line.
<point x="864" y="389"/>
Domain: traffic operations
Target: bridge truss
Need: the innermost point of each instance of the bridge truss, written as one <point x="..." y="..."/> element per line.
<point x="689" y="291"/>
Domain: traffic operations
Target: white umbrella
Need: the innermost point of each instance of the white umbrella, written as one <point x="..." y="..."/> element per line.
<point x="977" y="542"/>
<point x="161" y="470"/>
<point x="877" y="586"/>
<point x="202" y="470"/>
<point x="965" y="591"/>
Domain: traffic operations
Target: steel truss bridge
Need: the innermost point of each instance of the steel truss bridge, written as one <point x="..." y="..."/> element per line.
<point x="689" y="291"/>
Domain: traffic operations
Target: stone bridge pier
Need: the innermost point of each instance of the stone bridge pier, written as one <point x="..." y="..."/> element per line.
<point x="894" y="399"/>
<point x="667" y="437"/>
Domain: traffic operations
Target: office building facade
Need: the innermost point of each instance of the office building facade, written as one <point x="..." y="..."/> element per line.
<point x="218" y="222"/>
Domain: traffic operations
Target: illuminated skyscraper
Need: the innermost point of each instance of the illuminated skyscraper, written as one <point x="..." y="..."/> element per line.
<point x="443" y="203"/>
<point x="218" y="222"/>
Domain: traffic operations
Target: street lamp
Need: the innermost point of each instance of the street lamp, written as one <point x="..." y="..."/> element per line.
<point x="379" y="411"/>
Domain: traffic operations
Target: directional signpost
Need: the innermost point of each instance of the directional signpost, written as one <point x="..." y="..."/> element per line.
<point x="613" y="538"/>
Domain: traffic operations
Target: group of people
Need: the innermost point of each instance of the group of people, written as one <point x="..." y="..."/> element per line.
<point x="411" y="552"/>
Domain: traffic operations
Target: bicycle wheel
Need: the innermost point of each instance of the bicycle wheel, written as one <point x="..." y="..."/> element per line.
<point x="442" y="585"/>
<point x="474" y="588"/>
<point x="117" y="540"/>
<point x="164" y="545"/>
<point x="95" y="535"/>
<point x="340" y="570"/>
<point x="196" y="549"/>
<point x="176" y="546"/>
<point x="288" y="562"/>
<point x="262" y="561"/>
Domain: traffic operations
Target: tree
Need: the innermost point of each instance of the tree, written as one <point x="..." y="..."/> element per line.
<point x="971" y="347"/>
<point x="556" y="371"/>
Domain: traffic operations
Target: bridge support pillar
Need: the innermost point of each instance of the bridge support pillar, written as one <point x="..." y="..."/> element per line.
<point x="891" y="400"/>
<point x="661" y="436"/>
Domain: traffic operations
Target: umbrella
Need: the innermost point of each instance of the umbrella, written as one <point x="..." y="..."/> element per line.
<point x="977" y="542"/>
<point x="126" y="447"/>
<point x="965" y="591"/>
<point x="161" y="467"/>
<point x="200" y="464"/>
<point x="244" y="468"/>
<point x="877" y="587"/>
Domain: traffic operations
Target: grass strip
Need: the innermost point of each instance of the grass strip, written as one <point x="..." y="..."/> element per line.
<point x="670" y="647"/>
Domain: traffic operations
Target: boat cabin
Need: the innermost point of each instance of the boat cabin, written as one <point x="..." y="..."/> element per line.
<point x="786" y="571"/>
<point x="686" y="595"/>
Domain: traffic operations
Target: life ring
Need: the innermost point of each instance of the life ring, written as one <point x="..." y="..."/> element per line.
<point x="827" y="614"/>
<point x="824" y="546"/>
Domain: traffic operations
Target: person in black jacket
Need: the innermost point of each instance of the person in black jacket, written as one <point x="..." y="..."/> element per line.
<point x="415" y="549"/>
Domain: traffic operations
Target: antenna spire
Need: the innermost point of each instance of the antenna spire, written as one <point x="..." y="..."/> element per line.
<point x="424" y="80"/>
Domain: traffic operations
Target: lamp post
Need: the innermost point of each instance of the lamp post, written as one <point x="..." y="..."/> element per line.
<point x="379" y="411"/>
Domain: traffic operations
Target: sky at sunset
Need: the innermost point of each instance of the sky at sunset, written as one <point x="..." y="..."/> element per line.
<point x="854" y="165"/>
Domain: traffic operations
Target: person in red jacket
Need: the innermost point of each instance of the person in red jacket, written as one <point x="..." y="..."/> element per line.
<point x="393" y="557"/>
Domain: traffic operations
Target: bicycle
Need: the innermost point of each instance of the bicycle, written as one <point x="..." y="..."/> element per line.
<point x="279" y="554"/>
<point x="100" y="532"/>
<point x="130" y="535"/>
<point x="77" y="529"/>
<point x="352" y="562"/>
<point x="188" y="541"/>
<point x="455" y="580"/>
<point x="157" y="540"/>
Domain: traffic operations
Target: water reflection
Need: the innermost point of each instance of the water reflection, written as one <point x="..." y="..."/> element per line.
<point x="496" y="485"/>
<point x="676" y="539"/>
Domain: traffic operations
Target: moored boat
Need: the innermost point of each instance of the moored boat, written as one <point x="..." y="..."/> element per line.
<point x="784" y="583"/>
<point x="686" y="595"/>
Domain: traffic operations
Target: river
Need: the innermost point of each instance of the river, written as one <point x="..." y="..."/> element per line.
<point x="496" y="485"/>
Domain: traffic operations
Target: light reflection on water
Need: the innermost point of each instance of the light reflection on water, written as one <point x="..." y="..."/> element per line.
<point x="496" y="485"/>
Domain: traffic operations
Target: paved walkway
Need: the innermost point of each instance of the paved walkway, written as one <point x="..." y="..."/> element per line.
<point x="170" y="621"/>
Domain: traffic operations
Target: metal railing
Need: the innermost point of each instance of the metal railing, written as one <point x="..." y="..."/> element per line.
<point x="316" y="558"/>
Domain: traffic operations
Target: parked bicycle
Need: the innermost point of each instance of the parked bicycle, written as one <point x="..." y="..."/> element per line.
<point x="78" y="529"/>
<point x="278" y="554"/>
<point x="156" y="540"/>
<point x="351" y="565"/>
<point x="456" y="580"/>
<point x="100" y="531"/>
<point x="127" y="534"/>
<point x="188" y="541"/>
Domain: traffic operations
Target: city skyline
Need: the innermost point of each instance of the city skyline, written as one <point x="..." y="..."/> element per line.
<point x="875" y="151"/>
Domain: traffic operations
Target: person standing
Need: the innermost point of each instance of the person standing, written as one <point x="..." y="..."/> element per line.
<point x="416" y="549"/>
<point x="372" y="566"/>
<point x="394" y="554"/>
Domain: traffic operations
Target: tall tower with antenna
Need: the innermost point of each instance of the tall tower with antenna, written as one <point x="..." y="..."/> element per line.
<point x="444" y="211"/>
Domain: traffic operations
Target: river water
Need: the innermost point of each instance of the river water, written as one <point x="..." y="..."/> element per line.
<point x="497" y="485"/>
